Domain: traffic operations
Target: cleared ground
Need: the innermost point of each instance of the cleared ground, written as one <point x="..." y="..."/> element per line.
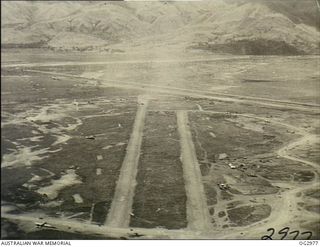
<point x="198" y="147"/>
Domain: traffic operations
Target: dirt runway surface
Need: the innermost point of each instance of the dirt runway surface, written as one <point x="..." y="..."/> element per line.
<point x="121" y="207"/>
<point x="256" y="153"/>
<point x="198" y="214"/>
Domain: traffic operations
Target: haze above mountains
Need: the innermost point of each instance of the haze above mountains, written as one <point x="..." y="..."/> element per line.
<point x="284" y="27"/>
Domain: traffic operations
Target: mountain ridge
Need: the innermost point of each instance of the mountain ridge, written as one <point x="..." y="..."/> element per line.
<point x="230" y="26"/>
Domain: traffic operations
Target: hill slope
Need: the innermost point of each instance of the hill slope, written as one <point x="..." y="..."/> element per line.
<point x="233" y="26"/>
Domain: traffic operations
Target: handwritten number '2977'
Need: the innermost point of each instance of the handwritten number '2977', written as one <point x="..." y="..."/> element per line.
<point x="284" y="233"/>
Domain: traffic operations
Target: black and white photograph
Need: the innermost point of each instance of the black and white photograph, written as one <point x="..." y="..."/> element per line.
<point x="160" y="120"/>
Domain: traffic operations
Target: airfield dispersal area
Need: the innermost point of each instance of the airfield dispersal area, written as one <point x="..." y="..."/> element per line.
<point x="206" y="147"/>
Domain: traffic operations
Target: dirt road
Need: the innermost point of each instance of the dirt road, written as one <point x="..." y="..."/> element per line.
<point x="168" y="90"/>
<point x="219" y="97"/>
<point x="284" y="209"/>
<point x="199" y="226"/>
<point x="305" y="139"/>
<point x="28" y="220"/>
<point x="141" y="61"/>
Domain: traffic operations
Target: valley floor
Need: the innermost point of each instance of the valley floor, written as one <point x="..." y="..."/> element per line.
<point x="160" y="146"/>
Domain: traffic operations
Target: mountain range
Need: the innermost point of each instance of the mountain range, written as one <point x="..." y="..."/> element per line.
<point x="254" y="27"/>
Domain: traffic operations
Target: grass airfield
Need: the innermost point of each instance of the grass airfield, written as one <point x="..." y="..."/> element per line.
<point x="171" y="147"/>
